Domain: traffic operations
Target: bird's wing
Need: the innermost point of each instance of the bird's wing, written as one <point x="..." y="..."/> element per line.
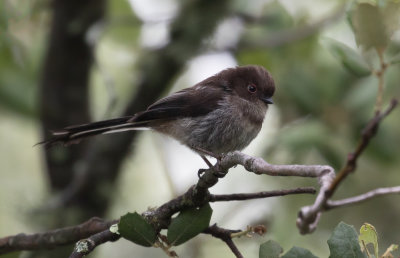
<point x="190" y="102"/>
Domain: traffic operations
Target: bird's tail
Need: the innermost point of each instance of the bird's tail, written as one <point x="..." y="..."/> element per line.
<point x="74" y="134"/>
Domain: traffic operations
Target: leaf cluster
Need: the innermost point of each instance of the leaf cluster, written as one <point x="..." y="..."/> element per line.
<point x="344" y="242"/>
<point x="188" y="224"/>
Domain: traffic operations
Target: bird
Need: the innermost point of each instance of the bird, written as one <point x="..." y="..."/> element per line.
<point x="218" y="115"/>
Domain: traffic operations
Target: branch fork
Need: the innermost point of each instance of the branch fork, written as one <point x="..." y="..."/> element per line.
<point x="309" y="216"/>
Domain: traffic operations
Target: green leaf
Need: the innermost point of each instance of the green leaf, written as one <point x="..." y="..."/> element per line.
<point x="343" y="242"/>
<point x="298" y="252"/>
<point x="369" y="26"/>
<point x="135" y="228"/>
<point x="391" y="16"/>
<point x="188" y="224"/>
<point x="348" y="57"/>
<point x="367" y="236"/>
<point x="270" y="249"/>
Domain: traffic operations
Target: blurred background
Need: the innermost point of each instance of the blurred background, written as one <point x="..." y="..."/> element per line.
<point x="67" y="62"/>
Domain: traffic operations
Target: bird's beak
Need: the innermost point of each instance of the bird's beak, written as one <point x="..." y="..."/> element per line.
<point x="267" y="100"/>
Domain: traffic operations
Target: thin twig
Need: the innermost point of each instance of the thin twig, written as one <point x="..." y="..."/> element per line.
<point x="224" y="235"/>
<point x="259" y="229"/>
<point x="362" y="197"/>
<point x="86" y="246"/>
<point x="166" y="248"/>
<point x="309" y="216"/>
<point x="366" y="135"/>
<point x="259" y="195"/>
<point x="233" y="247"/>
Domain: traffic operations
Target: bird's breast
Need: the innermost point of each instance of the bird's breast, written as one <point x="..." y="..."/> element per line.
<point x="225" y="129"/>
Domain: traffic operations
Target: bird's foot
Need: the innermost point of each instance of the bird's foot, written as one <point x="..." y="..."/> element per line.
<point x="201" y="172"/>
<point x="220" y="174"/>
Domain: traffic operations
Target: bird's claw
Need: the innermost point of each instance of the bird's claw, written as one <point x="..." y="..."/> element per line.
<point x="201" y="172"/>
<point x="220" y="174"/>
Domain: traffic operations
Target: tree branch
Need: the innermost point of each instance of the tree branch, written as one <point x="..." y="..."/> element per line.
<point x="198" y="195"/>
<point x="54" y="238"/>
<point x="362" y="197"/>
<point x="368" y="132"/>
<point x="259" y="195"/>
<point x="224" y="235"/>
<point x="86" y="246"/>
<point x="308" y="218"/>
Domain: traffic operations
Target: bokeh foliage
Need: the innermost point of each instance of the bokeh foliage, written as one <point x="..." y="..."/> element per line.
<point x="326" y="91"/>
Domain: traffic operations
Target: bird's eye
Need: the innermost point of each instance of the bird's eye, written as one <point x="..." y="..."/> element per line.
<point x="251" y="88"/>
